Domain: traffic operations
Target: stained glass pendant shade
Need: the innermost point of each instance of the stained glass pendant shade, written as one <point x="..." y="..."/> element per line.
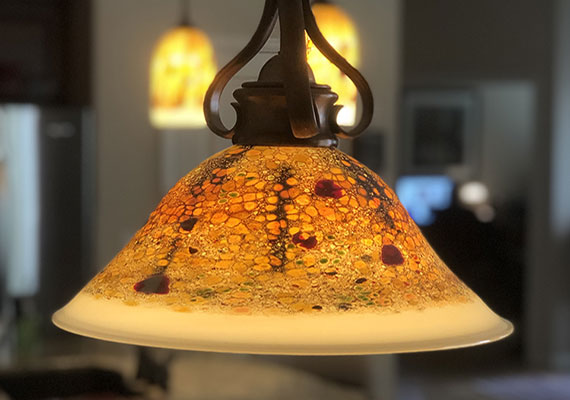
<point x="280" y="247"/>
<point x="182" y="67"/>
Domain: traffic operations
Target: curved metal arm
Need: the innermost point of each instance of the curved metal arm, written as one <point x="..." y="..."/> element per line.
<point x="333" y="56"/>
<point x="256" y="43"/>
<point x="296" y="70"/>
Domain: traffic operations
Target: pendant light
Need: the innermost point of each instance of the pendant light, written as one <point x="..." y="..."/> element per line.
<point x="339" y="30"/>
<point x="182" y="67"/>
<point x="282" y="244"/>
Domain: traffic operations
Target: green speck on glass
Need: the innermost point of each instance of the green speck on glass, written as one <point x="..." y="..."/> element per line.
<point x="336" y="260"/>
<point x="244" y="289"/>
<point x="241" y="174"/>
<point x="324" y="260"/>
<point x="341" y="252"/>
<point x="233" y="194"/>
<point x="330" y="237"/>
<point x="370" y="303"/>
<point x="248" y="283"/>
<point x="291" y="246"/>
<point x="222" y="201"/>
<point x="299" y="262"/>
<point x="205" y="293"/>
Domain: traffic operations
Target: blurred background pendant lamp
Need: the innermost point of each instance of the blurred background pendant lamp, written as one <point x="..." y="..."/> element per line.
<point x="282" y="244"/>
<point x="340" y="31"/>
<point x="182" y="67"/>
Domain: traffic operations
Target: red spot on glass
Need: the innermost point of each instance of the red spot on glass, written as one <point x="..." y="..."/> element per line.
<point x="306" y="242"/>
<point x="156" y="284"/>
<point x="327" y="188"/>
<point x="391" y="255"/>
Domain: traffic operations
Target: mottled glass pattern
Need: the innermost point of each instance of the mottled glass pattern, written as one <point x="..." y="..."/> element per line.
<point x="273" y="230"/>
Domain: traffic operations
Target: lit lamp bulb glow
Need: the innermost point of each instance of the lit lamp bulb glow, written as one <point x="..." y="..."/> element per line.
<point x="473" y="193"/>
<point x="182" y="68"/>
<point x="340" y="32"/>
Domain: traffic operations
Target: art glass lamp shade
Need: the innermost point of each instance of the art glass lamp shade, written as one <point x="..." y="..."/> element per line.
<point x="282" y="250"/>
<point x="182" y="68"/>
<point x="340" y="32"/>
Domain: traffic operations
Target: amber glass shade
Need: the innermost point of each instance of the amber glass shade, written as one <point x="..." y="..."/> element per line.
<point x="182" y="68"/>
<point x="284" y="250"/>
<point x="340" y="32"/>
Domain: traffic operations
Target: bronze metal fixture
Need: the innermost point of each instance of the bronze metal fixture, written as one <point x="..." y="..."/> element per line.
<point x="285" y="106"/>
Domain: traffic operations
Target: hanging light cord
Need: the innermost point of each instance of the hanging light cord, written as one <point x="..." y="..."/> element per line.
<point x="185" y="12"/>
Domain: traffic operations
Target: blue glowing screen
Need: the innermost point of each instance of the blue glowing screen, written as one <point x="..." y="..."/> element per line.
<point x="424" y="194"/>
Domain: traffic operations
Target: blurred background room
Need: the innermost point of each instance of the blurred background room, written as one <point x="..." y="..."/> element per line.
<point x="471" y="127"/>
